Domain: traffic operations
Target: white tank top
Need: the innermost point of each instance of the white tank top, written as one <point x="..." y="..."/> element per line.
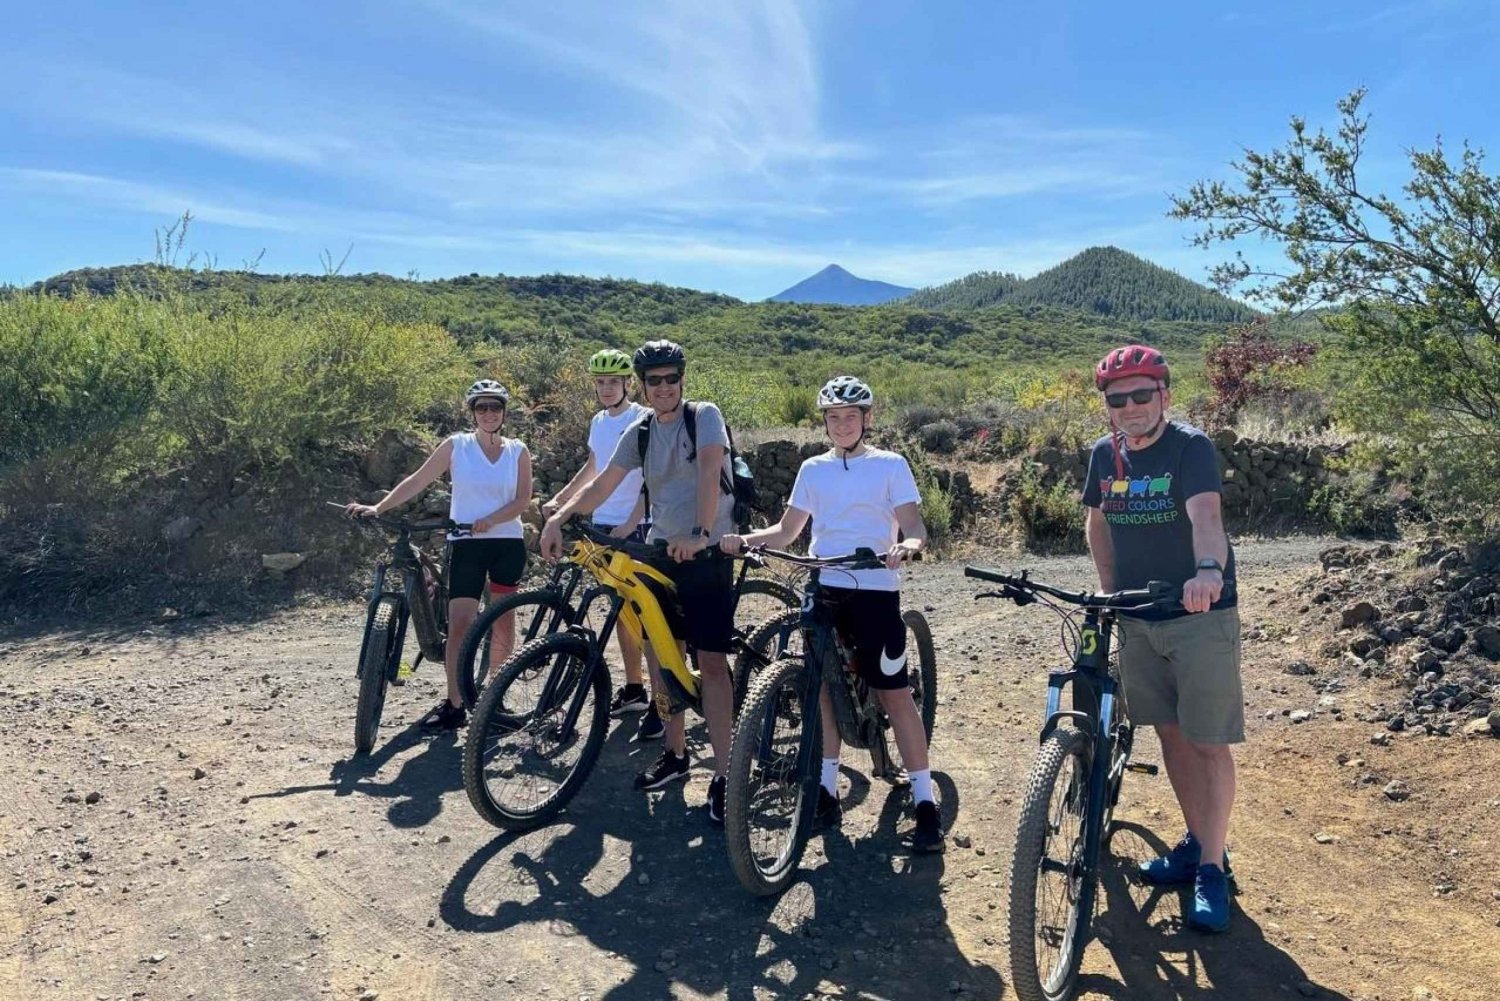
<point x="482" y="487"/>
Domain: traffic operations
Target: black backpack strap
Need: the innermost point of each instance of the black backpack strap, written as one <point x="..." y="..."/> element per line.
<point x="690" y="419"/>
<point x="642" y="442"/>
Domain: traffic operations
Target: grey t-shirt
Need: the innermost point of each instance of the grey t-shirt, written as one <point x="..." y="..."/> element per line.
<point x="670" y="478"/>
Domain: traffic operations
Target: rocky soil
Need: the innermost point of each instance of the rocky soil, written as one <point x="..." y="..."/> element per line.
<point x="184" y="820"/>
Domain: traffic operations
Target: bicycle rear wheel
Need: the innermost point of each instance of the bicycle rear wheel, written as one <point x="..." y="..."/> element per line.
<point x="378" y="648"/>
<point x="924" y="672"/>
<point x="522" y="761"/>
<point x="760" y="598"/>
<point x="539" y="612"/>
<point x="1051" y="883"/>
<point x="773" y="782"/>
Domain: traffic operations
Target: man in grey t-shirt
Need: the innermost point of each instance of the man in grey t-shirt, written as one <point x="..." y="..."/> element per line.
<point x="690" y="511"/>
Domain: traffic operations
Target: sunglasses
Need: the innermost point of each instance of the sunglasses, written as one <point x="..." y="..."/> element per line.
<point x="1118" y="400"/>
<point x="489" y="408"/>
<point x="671" y="379"/>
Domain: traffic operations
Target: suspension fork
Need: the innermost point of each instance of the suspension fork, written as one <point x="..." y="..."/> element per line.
<point x="556" y="683"/>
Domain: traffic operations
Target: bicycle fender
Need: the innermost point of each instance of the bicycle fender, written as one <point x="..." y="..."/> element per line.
<point x="1082" y="720"/>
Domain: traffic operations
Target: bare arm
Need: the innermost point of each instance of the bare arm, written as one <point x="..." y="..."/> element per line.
<point x="777" y="536"/>
<point x="591" y="496"/>
<point x="1206" y="512"/>
<point x="570" y="489"/>
<point x="710" y="465"/>
<point x="436" y="465"/>
<point x="1101" y="548"/>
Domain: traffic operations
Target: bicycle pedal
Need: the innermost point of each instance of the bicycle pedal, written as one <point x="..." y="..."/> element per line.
<point x="1142" y="768"/>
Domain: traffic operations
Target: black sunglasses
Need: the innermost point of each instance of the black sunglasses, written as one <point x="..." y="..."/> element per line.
<point x="671" y="379"/>
<point x="1118" y="400"/>
<point x="489" y="408"/>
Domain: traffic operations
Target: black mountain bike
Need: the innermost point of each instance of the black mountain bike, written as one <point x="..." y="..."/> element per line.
<point x="417" y="591"/>
<point x="1074" y="785"/>
<point x="539" y="611"/>
<point x="774" y="764"/>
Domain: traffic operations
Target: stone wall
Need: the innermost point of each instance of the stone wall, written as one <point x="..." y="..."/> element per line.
<point x="1259" y="477"/>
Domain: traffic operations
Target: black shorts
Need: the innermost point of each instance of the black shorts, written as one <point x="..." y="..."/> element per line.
<point x="870" y="623"/>
<point x="705" y="591"/>
<point x="639" y="535"/>
<point x="471" y="560"/>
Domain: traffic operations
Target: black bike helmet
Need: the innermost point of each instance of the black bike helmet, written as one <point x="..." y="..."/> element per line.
<point x="659" y="354"/>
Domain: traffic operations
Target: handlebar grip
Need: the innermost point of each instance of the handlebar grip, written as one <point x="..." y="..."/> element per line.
<point x="993" y="576"/>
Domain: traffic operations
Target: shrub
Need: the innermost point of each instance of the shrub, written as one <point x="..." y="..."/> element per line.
<point x="939" y="437"/>
<point x="1049" y="518"/>
<point x="937" y="503"/>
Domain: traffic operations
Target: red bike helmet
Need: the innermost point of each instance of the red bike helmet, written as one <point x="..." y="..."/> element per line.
<point x="1133" y="359"/>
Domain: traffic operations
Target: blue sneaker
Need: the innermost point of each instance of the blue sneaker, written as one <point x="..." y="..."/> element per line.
<point x="1175" y="867"/>
<point x="1210" y="900"/>
<point x="1179" y="865"/>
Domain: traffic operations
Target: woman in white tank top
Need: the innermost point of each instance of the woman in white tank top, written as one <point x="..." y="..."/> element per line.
<point x="491" y="479"/>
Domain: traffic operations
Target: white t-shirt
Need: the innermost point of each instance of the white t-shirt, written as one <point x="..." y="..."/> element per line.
<point x="482" y="487"/>
<point x="855" y="507"/>
<point x="604" y="435"/>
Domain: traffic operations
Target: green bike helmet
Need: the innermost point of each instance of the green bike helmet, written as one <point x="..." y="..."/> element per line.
<point x="610" y="361"/>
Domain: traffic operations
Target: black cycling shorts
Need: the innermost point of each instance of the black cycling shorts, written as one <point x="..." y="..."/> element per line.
<point x="870" y="623"/>
<point x="705" y="594"/>
<point x="471" y="560"/>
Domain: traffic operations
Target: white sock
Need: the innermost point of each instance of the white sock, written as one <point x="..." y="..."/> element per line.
<point x="831" y="775"/>
<point x="921" y="785"/>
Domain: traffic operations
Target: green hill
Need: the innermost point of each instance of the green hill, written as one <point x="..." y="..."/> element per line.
<point x="1105" y="281"/>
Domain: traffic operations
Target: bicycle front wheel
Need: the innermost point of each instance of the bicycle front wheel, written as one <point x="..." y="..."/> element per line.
<point x="374" y="672"/>
<point x="1051" y="882"/>
<point x="773" y="782"/>
<point x="778" y="636"/>
<point x="760" y="598"/>
<point x="536" y="733"/>
<point x="538" y="612"/>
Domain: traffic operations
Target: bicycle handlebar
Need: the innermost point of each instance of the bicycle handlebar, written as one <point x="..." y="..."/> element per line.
<point x="651" y="552"/>
<point x="415" y="527"/>
<point x="1023" y="590"/>
<point x="861" y="559"/>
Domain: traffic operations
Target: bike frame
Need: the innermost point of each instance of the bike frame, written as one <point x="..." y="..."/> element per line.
<point x="1094" y="695"/>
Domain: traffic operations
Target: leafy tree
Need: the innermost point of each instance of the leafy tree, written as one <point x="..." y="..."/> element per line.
<point x="1416" y="279"/>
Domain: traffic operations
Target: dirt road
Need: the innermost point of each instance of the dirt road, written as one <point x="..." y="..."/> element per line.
<point x="183" y="820"/>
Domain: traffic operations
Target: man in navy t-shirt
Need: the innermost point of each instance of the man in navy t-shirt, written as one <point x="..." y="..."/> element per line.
<point x="1153" y="497"/>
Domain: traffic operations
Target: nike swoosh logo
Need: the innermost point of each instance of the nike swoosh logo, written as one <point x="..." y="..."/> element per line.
<point x="890" y="668"/>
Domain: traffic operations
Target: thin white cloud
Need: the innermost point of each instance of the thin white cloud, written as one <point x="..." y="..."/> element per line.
<point x="134" y="196"/>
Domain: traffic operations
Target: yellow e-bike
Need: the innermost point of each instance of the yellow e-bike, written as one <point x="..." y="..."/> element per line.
<point x="536" y="733"/>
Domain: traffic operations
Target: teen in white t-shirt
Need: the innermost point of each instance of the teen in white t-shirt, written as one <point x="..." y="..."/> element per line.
<point x="859" y="496"/>
<point x="620" y="515"/>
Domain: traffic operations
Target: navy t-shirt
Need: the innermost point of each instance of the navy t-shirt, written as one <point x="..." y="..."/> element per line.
<point x="1146" y="508"/>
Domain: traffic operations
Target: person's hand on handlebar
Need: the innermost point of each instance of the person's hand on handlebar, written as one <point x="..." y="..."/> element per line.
<point x="1201" y="591"/>
<point x="622" y="531"/>
<point x="354" y="509"/>
<point x="732" y="545"/>
<point x="686" y="547"/>
<point x="551" y="542"/>
<point x="906" y="549"/>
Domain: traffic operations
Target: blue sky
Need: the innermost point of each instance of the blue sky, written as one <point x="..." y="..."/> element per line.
<point x="718" y="144"/>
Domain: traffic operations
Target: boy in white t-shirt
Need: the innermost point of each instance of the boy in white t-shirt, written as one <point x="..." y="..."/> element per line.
<point x="619" y="515"/>
<point x="861" y="496"/>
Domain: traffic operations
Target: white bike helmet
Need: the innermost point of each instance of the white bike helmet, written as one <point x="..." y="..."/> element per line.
<point x="845" y="391"/>
<point x="486" y="387"/>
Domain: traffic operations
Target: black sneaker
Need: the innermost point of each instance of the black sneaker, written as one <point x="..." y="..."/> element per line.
<point x="444" y="716"/>
<point x="629" y="699"/>
<point x="716" y="800"/>
<point x="667" y="767"/>
<point x="928" y="837"/>
<point x="651" y="727"/>
<point x="829" y="813"/>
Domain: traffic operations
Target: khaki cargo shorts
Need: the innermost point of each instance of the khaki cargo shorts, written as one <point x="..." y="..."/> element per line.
<point x="1185" y="671"/>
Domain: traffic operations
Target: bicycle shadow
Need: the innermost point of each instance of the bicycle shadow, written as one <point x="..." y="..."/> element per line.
<point x="1159" y="957"/>
<point x="865" y="916"/>
<point x="416" y="791"/>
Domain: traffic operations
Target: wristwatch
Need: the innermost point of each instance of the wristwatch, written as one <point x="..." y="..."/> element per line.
<point x="1209" y="563"/>
<point x="699" y="532"/>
